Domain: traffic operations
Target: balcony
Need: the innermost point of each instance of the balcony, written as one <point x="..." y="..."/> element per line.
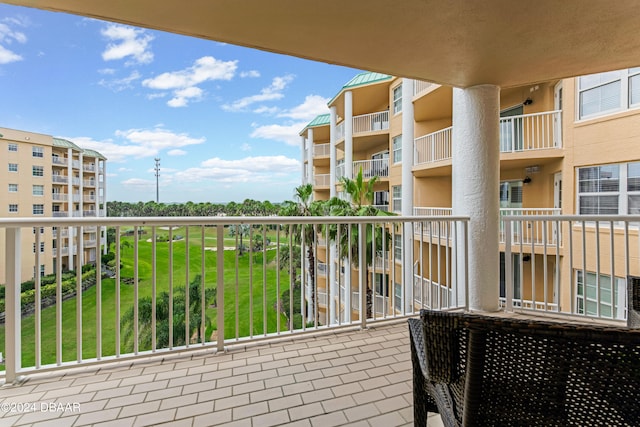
<point x="371" y="168"/>
<point x="89" y="167"/>
<point x="321" y="180"/>
<point x="59" y="197"/>
<point x="349" y="367"/>
<point x="518" y="134"/>
<point x="321" y="150"/>
<point x="59" y="161"/>
<point x="372" y="122"/>
<point x="59" y="179"/>
<point x="89" y="183"/>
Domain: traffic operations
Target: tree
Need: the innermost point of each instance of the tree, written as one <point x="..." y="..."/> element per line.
<point x="145" y="317"/>
<point x="240" y="230"/>
<point x="346" y="236"/>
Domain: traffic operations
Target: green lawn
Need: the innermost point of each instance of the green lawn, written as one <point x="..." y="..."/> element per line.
<point x="248" y="284"/>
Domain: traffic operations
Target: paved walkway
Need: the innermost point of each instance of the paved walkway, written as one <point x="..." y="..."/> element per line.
<point x="354" y="378"/>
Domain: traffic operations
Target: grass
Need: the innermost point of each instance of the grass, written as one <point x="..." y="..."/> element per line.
<point x="256" y="281"/>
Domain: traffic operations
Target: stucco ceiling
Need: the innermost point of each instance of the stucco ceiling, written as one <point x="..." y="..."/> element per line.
<point x="455" y="42"/>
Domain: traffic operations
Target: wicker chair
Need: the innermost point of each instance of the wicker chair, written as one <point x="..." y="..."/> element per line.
<point x="478" y="370"/>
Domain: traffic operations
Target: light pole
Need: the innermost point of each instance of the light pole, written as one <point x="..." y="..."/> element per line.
<point x="157" y="169"/>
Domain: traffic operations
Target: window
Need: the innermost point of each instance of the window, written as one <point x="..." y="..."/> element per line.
<point x="38" y="209"/>
<point x="13" y="147"/>
<point x="13" y="167"/>
<point x="608" y="92"/>
<point x="37" y="152"/>
<point x="609" y="189"/>
<point x="13" y="188"/>
<point x="397" y="149"/>
<point x="13" y="208"/>
<point x="397" y="99"/>
<point x="397" y="198"/>
<point x="38" y="190"/>
<point x="36" y="228"/>
<point x="397" y="247"/>
<point x="41" y="247"/>
<point x="381" y="282"/>
<point x="611" y="301"/>
<point x="38" y="171"/>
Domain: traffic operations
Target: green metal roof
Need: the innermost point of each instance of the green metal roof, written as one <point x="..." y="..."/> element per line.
<point x="366" y="78"/>
<point x="321" y="120"/>
<point x="63" y="143"/>
<point x="93" y="153"/>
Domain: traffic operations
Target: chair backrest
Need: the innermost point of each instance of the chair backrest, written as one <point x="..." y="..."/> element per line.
<point x="528" y="372"/>
<point x="633" y="303"/>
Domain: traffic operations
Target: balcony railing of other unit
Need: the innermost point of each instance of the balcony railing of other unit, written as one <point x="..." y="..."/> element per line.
<point x="527" y="132"/>
<point x="321" y="150"/>
<point x="207" y="258"/>
<point x="321" y="180"/>
<point x="89" y="213"/>
<point x="59" y="197"/>
<point x="371" y="122"/>
<point x="420" y="86"/>
<point x="433" y="147"/>
<point x="340" y="170"/>
<point x="60" y="161"/>
<point x="89" y="183"/>
<point x="430" y="294"/>
<point x="340" y="131"/>
<point x="587" y="278"/>
<point x="371" y="168"/>
<point x="89" y="167"/>
<point x="60" y="214"/>
<point x="63" y="252"/>
<point x="59" y="179"/>
<point x="531" y="232"/>
<point x="75" y="164"/>
<point x="384" y="208"/>
<point x="89" y="198"/>
<point x="76" y="181"/>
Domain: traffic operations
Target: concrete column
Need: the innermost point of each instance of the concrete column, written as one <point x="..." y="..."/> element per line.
<point x="475" y="188"/>
<point x="310" y="156"/>
<point x="407" y="189"/>
<point x="333" y="118"/>
<point x="302" y="155"/>
<point x="348" y="134"/>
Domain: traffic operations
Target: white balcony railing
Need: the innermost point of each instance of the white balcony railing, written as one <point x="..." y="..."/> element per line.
<point x="321" y="180"/>
<point x="370" y="168"/>
<point x="89" y="167"/>
<point x="433" y="147"/>
<point x="340" y="131"/>
<point x="59" y="179"/>
<point x="321" y="150"/>
<point x="420" y="86"/>
<point x="531" y="232"/>
<point x="340" y="170"/>
<point x="59" y="197"/>
<point x="527" y="132"/>
<point x="59" y="161"/>
<point x="262" y="277"/>
<point x="371" y="122"/>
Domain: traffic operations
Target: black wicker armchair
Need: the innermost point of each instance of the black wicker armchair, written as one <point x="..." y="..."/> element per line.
<point x="478" y="370"/>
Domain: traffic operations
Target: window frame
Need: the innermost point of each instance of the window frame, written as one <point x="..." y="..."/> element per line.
<point x="36" y="168"/>
<point x="397" y="99"/>
<point x="13" y="188"/>
<point x="623" y="193"/>
<point x="13" y="147"/>
<point x="615" y="308"/>
<point x="37" y="152"/>
<point x="37" y="209"/>
<point x="37" y="194"/>
<point x="624" y="76"/>
<point x="397" y="151"/>
<point x="13" y="167"/>
<point x="13" y="208"/>
<point x="396" y="201"/>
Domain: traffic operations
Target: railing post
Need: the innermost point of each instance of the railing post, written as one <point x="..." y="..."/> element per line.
<point x="12" y="338"/>
<point x="220" y="286"/>
<point x="508" y="273"/>
<point x="362" y="273"/>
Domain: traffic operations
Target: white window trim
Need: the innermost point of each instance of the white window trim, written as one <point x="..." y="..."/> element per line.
<point x="622" y="193"/>
<point x="396" y="150"/>
<point x="395" y="200"/>
<point x="624" y="76"/>
<point x="397" y="103"/>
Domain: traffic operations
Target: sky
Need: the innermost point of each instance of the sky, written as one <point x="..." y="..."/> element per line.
<point x="224" y="120"/>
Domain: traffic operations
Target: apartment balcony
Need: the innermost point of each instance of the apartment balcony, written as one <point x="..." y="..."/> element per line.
<point x="59" y="161"/>
<point x="59" y="197"/>
<point x="89" y="213"/>
<point x="64" y="251"/>
<point x="60" y="214"/>
<point x="59" y="179"/>
<point x="365" y="124"/>
<point x="321" y="150"/>
<point x="89" y="183"/>
<point x="90" y="167"/>
<point x="253" y="365"/>
<point x="371" y="168"/>
<point x="89" y="243"/>
<point x="537" y="135"/>
<point x="419" y="87"/>
<point x="89" y="198"/>
<point x="76" y="181"/>
<point x="321" y="180"/>
<point x="75" y="164"/>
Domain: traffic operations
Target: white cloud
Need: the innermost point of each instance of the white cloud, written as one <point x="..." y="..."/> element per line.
<point x="176" y="152"/>
<point x="245" y="147"/>
<point x="259" y="169"/>
<point x="118" y="85"/>
<point x="127" y="42"/>
<point x="270" y="93"/>
<point x="107" y="71"/>
<point x="251" y="73"/>
<point x="138" y="182"/>
<point x="8" y="35"/>
<point x="138" y="143"/>
<point x="289" y="134"/>
<point x="184" y="83"/>
<point x="312" y="106"/>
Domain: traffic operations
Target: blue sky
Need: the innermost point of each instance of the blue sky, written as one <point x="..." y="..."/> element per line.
<point x="223" y="119"/>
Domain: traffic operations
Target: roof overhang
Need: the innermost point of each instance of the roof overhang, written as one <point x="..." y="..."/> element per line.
<point x="456" y="42"/>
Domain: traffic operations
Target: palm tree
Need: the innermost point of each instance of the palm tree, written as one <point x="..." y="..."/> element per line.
<point x="305" y="234"/>
<point x="145" y="318"/>
<point x="377" y="239"/>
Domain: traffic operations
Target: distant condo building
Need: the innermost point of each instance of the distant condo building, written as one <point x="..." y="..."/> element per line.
<point x="44" y="176"/>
